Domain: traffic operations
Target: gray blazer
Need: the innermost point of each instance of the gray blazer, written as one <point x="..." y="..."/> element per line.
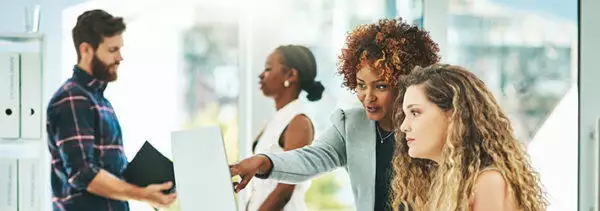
<point x="349" y="143"/>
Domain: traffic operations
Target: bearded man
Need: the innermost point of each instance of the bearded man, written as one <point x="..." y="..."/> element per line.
<point x="84" y="135"/>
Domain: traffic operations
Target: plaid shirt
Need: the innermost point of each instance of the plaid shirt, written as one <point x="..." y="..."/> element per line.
<point x="84" y="136"/>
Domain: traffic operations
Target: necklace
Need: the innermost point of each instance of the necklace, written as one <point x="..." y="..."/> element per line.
<point x="383" y="138"/>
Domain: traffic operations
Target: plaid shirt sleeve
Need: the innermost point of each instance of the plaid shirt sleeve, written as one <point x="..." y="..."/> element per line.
<point x="74" y="137"/>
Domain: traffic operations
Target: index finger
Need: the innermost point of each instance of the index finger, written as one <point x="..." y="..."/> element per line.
<point x="233" y="169"/>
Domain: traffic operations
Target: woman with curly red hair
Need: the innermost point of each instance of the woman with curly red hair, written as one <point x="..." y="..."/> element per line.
<point x="361" y="140"/>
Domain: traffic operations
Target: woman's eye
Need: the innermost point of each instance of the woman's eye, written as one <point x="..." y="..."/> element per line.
<point x="414" y="113"/>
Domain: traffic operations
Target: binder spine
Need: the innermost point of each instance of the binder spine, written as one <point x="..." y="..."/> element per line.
<point x="9" y="96"/>
<point x="8" y="184"/>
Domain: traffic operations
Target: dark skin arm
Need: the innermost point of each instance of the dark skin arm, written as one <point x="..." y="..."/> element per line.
<point x="298" y="134"/>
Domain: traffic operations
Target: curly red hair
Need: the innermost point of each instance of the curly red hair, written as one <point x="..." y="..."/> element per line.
<point x="392" y="47"/>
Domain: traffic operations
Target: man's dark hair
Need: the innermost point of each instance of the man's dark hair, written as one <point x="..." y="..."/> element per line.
<point x="93" y="25"/>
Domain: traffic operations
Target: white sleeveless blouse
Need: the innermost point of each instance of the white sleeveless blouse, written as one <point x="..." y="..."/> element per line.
<point x="269" y="142"/>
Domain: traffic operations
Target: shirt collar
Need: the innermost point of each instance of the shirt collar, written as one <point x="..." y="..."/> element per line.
<point x="84" y="78"/>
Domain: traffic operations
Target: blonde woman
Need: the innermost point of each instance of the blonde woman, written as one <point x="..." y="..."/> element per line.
<point x="457" y="150"/>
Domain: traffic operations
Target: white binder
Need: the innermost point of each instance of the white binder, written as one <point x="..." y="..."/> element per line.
<point x="31" y="97"/>
<point x="8" y="184"/>
<point x="9" y="96"/>
<point x="30" y="186"/>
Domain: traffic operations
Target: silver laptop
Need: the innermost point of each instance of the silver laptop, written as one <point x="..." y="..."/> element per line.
<point x="201" y="170"/>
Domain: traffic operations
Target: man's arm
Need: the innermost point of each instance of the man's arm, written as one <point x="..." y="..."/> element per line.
<point x="107" y="185"/>
<point x="75" y="137"/>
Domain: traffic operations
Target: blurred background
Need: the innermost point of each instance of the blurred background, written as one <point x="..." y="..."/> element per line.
<point x="190" y="63"/>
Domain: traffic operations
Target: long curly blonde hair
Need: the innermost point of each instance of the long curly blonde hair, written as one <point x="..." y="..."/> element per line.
<point x="479" y="135"/>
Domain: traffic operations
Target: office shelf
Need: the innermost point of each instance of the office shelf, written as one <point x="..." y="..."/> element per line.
<point x="21" y="149"/>
<point x="21" y="37"/>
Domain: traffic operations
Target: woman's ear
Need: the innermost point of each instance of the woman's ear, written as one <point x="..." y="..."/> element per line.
<point x="448" y="114"/>
<point x="292" y="75"/>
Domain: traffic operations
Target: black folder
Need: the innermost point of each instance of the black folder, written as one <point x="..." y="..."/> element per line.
<point x="149" y="166"/>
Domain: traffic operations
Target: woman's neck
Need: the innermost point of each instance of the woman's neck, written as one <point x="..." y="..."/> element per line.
<point x="386" y="124"/>
<point x="284" y="99"/>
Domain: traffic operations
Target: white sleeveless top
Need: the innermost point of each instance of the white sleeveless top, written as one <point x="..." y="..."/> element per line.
<point x="269" y="142"/>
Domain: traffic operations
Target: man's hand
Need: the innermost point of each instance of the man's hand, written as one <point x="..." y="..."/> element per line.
<point x="153" y="195"/>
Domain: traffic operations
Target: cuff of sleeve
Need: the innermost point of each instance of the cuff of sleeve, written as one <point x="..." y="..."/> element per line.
<point x="268" y="173"/>
<point x="84" y="176"/>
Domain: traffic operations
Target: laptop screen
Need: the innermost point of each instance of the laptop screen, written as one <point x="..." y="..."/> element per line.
<point x="201" y="170"/>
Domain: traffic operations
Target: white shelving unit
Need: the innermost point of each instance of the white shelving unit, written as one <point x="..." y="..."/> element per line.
<point x="17" y="149"/>
<point x="23" y="184"/>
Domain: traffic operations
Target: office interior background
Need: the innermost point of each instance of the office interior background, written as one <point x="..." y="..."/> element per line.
<point x="190" y="63"/>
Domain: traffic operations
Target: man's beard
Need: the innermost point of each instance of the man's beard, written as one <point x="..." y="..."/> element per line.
<point x="101" y="71"/>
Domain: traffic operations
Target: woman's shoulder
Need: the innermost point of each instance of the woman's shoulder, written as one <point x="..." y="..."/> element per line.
<point x="348" y="120"/>
<point x="351" y="114"/>
<point x="491" y="187"/>
<point x="300" y="121"/>
<point x="490" y="178"/>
